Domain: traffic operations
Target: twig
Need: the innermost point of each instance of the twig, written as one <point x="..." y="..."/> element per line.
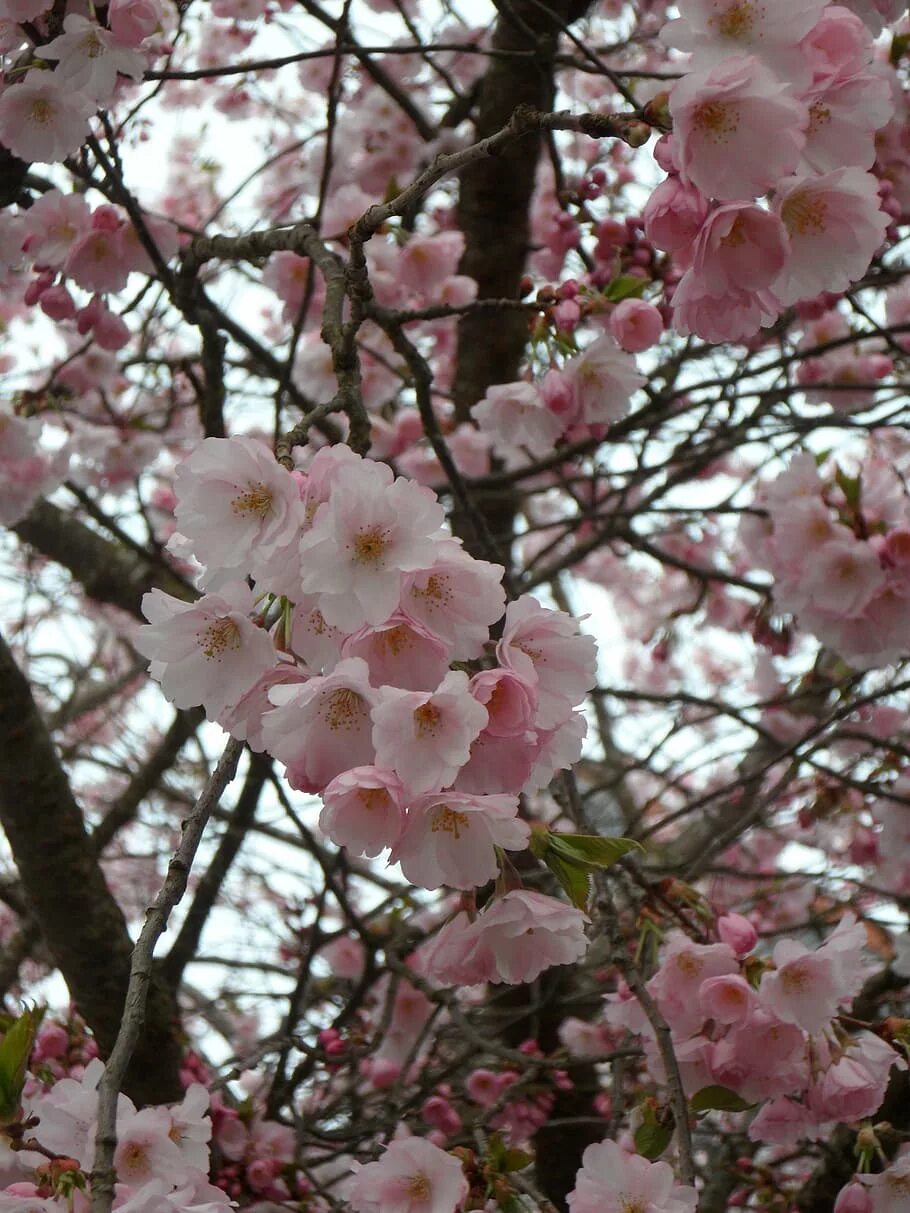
<point x="103" y="1175"/>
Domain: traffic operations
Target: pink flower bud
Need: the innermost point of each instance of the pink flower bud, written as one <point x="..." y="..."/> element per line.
<point x="738" y="933"/>
<point x="636" y="325"/>
<point x="854" y="1198"/>
<point x="384" y="1073"/>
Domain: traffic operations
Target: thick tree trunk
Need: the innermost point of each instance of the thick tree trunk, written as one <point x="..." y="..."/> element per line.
<point x="80" y="921"/>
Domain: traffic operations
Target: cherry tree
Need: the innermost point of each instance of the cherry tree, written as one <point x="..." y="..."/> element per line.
<point x="454" y="737"/>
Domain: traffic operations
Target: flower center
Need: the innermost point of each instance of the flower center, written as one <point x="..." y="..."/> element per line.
<point x="804" y="214"/>
<point x="426" y="720"/>
<point x="343" y="709"/>
<point x="447" y="821"/>
<point x="373" y="798"/>
<point x="715" y="120"/>
<point x="819" y="115"/>
<point x="370" y="545"/>
<point x="794" y="979"/>
<point x="256" y="500"/>
<point x="418" y="1186"/>
<point x="42" y="111"/>
<point x="737" y="22"/>
<point x="688" y="964"/>
<point x="397" y="640"/>
<point x="218" y="638"/>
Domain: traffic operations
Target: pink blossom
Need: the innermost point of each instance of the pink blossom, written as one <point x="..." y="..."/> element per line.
<point x="133" y="20"/>
<point x="803" y="989"/>
<point x="322" y="727"/>
<point x="426" y="737"/>
<point x="636" y="325"/>
<point x="90" y="58"/>
<point x="721" y="114"/>
<point x="345" y="957"/>
<point x="760" y="1058"/>
<point x="234" y="502"/>
<point x="53" y="224"/>
<point x="557" y="750"/>
<point x="206" y="652"/>
<point x="243" y="719"/>
<point x="499" y="764"/>
<point x="450" y="838"/>
<point x="412" y="1176"/>
<point x="848" y="1090"/>
<point x="840" y="209"/>
<point x="611" y="1181"/>
<point x="890" y="1189"/>
<point x="453" y="957"/>
<point x="363" y="810"/>
<point x="843" y="578"/>
<point x="782" y="1122"/>
<point x="771" y="30"/>
<point x="739" y="247"/>
<point x="515" y="417"/>
<point x="362" y="539"/>
<point x="603" y="378"/>
<point x="732" y="315"/>
<point x="313" y="640"/>
<point x="527" y="932"/>
<point x="737" y="932"/>
<point x="425" y="263"/>
<point x="838" y="45"/>
<point x="58" y="303"/>
<point x="27" y="472"/>
<point x="844" y="114"/>
<point x="853" y="1198"/>
<point x="684" y="968"/>
<point x="146" y="1151"/>
<point x="726" y="999"/>
<point x="510" y="701"/>
<point x="457" y="598"/>
<point x="41" y="119"/>
<point x="400" y="653"/>
<point x="546" y="648"/>
<point x="673" y="214"/>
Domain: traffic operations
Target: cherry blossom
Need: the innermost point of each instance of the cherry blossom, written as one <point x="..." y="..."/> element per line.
<point x="362" y="539"/>
<point x="412" y="1176"/>
<point x="719" y="114"/>
<point x="611" y="1181"/>
<point x="42" y="119"/>
<point x="426" y="737"/>
<point x="450" y="838"/>
<point x="209" y="652"/>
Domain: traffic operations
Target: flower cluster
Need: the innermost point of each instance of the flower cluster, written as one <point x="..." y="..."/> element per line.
<point x="44" y="112"/>
<point x="766" y="1030"/>
<point x="798" y="81"/>
<point x="853" y="594"/>
<point x="339" y="664"/>
<point x="162" y="1154"/>
<point x="589" y="393"/>
<point x="27" y="471"/>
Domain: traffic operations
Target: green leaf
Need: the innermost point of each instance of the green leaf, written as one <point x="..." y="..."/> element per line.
<point x="850" y="487"/>
<point x="592" y="850"/>
<point x="718" y="1099"/>
<point x="626" y="286"/>
<point x="574" y="878"/>
<point x="652" y="1138"/>
<point x="540" y="841"/>
<point x="900" y="44"/>
<point x="15" y="1050"/>
<point x="515" y="1160"/>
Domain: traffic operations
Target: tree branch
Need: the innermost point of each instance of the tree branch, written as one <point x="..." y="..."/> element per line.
<point x="142" y="977"/>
